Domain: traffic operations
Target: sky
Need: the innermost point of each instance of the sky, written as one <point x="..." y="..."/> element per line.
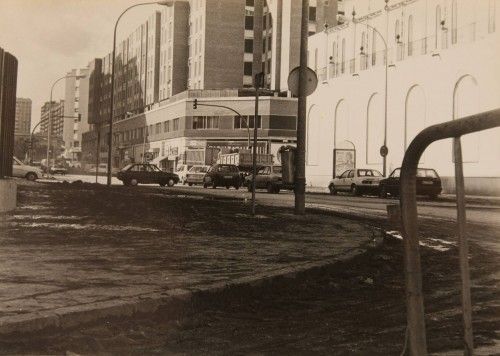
<point x="51" y="37"/>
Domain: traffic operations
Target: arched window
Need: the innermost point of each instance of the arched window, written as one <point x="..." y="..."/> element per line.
<point x="465" y="103"/>
<point x="312" y="136"/>
<point x="343" y="56"/>
<point x="410" y="35"/>
<point x="437" y="26"/>
<point x="454" y="22"/>
<point x="334" y="60"/>
<point x="374" y="128"/>
<point x="491" y="16"/>
<point x="374" y="48"/>
<point x="415" y="114"/>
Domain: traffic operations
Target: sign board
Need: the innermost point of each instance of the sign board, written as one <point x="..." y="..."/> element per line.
<point x="311" y="81"/>
<point x="343" y="160"/>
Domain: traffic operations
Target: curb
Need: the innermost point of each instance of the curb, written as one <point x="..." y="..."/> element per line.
<point x="70" y="317"/>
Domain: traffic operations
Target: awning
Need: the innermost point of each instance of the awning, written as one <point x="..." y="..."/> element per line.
<point x="158" y="159"/>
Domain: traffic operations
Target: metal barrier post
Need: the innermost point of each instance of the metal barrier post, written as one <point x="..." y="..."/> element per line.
<point x="408" y="202"/>
<point x="463" y="248"/>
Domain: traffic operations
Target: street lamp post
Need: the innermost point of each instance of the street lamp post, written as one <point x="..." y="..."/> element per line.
<point x="110" y="122"/>
<point x="383" y="150"/>
<point x="49" y="121"/>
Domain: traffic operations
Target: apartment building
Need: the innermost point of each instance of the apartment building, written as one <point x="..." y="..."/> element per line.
<point x="56" y="118"/>
<point x="23" y="116"/>
<point x="75" y="120"/>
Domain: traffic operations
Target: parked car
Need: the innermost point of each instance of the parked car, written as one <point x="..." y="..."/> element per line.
<point x="225" y="175"/>
<point x="21" y="170"/>
<point x="269" y="178"/>
<point x="196" y="174"/>
<point x="427" y="182"/>
<point x="181" y="171"/>
<point x="146" y="173"/>
<point x="58" y="169"/>
<point x="357" y="181"/>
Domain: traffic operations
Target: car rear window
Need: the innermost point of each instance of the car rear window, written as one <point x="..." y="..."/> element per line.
<point x="426" y="173"/>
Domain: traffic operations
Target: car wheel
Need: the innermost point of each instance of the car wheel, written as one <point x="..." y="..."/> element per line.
<point x="270" y="188"/>
<point x="190" y="184"/>
<point x="205" y="185"/>
<point x="332" y="189"/>
<point x="214" y="185"/>
<point x="31" y="176"/>
<point x="162" y="184"/>
<point x="170" y="182"/>
<point x="354" y="190"/>
<point x="383" y="192"/>
<point x="133" y="182"/>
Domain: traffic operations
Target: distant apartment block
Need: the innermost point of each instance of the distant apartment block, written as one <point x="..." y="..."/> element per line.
<point x="56" y="118"/>
<point x="23" y="116"/>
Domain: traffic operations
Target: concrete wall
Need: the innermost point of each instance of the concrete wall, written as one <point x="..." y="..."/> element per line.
<point x="432" y="85"/>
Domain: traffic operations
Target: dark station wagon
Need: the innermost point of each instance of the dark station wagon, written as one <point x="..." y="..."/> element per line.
<point x="145" y="173"/>
<point x="223" y="175"/>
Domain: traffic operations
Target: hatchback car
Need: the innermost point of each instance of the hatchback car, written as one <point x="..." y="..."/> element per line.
<point x="146" y="173"/>
<point x="356" y="181"/>
<point x="222" y="175"/>
<point x="196" y="174"/>
<point x="269" y="178"/>
<point x="427" y="182"/>
<point x="21" y="170"/>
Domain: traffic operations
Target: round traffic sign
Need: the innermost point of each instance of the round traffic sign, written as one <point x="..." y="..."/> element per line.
<point x="148" y="156"/>
<point x="311" y="81"/>
<point x="384" y="150"/>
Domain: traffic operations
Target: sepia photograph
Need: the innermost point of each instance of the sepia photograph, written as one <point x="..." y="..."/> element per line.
<point x="250" y="177"/>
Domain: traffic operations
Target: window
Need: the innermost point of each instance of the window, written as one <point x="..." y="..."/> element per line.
<point x="176" y="124"/>
<point x="247" y="69"/>
<point x="166" y="126"/>
<point x="312" y="14"/>
<point x="248" y="22"/>
<point x="351" y="174"/>
<point x="264" y="22"/>
<point x="248" y="46"/>
<point x="157" y="128"/>
<point x="269" y="43"/>
<point x="205" y="122"/>
<point x="410" y="35"/>
<point x="249" y="2"/>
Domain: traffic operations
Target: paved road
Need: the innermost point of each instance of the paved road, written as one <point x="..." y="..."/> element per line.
<point x="480" y="212"/>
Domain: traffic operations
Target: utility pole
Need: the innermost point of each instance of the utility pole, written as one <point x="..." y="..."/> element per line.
<point x="258" y="81"/>
<point x="300" y="157"/>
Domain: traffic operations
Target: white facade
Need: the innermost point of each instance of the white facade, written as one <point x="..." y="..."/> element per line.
<point x="443" y="64"/>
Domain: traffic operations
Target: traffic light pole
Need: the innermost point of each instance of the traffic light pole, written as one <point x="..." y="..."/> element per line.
<point x="300" y="158"/>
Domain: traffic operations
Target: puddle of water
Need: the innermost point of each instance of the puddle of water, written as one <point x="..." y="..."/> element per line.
<point x="439" y="248"/>
<point x="81" y="226"/>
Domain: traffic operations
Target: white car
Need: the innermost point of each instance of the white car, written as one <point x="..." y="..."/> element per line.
<point x="21" y="170"/>
<point x="181" y="171"/>
<point x="356" y="181"/>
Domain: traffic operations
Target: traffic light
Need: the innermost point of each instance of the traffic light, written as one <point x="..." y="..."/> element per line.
<point x="195" y="104"/>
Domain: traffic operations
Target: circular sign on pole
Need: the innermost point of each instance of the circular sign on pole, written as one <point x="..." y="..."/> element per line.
<point x="384" y="150"/>
<point x="148" y="156"/>
<point x="311" y="81"/>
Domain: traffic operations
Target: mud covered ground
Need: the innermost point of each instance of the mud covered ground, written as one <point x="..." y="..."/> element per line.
<point x="351" y="308"/>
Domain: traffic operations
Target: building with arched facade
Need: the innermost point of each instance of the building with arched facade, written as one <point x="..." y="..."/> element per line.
<point x="442" y="63"/>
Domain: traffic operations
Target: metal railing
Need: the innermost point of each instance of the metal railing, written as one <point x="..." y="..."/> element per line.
<point x="408" y="202"/>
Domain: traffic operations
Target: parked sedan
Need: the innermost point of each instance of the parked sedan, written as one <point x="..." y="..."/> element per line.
<point x="196" y="174"/>
<point x="21" y="170"/>
<point x="58" y="169"/>
<point x="356" y="181"/>
<point x="146" y="173"/>
<point x="427" y="182"/>
<point x="225" y="175"/>
<point x="269" y="178"/>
